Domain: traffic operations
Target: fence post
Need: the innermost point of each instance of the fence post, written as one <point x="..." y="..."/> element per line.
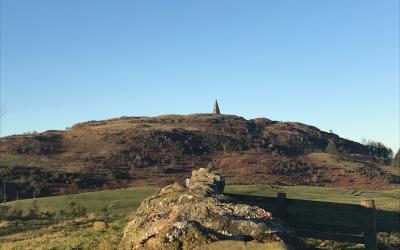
<point x="369" y="225"/>
<point x="281" y="205"/>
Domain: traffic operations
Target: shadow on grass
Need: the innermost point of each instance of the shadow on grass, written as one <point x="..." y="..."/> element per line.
<point x="324" y="216"/>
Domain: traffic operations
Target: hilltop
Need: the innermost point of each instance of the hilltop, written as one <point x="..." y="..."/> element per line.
<point x="131" y="151"/>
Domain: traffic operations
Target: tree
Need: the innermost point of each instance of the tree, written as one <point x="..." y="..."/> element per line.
<point x="377" y="148"/>
<point x="4" y="190"/>
<point x="132" y="171"/>
<point x="76" y="209"/>
<point x="396" y="160"/>
<point x="4" y="210"/>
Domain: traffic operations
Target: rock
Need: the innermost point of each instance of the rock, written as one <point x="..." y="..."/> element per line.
<point x="92" y="217"/>
<point x="204" y="181"/>
<point x="80" y="220"/>
<point x="199" y="216"/>
<point x="5" y="223"/>
<point x="99" y="225"/>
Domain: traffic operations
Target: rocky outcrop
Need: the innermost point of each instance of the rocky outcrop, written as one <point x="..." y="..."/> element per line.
<point x="199" y="216"/>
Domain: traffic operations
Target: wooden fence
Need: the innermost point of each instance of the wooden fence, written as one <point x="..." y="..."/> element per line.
<point x="322" y="220"/>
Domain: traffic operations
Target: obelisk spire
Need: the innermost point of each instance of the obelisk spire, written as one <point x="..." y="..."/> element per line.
<point x="216" y="109"/>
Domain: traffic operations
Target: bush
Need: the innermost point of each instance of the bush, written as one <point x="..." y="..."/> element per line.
<point x="14" y="213"/>
<point x="76" y="209"/>
<point x="4" y="210"/>
<point x="34" y="210"/>
<point x="61" y="214"/>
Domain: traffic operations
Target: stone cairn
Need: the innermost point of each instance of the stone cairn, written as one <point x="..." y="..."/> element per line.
<point x="198" y="216"/>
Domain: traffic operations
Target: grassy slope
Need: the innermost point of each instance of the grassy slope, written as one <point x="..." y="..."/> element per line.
<point x="116" y="200"/>
<point x="388" y="200"/>
<point x="72" y="234"/>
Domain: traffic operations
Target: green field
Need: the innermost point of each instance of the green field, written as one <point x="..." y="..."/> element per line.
<point x="61" y="231"/>
<point x="388" y="200"/>
<point x="117" y="201"/>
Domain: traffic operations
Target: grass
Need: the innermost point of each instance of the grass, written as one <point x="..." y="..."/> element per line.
<point x="115" y="206"/>
<point x="117" y="201"/>
<point x="333" y="160"/>
<point x="8" y="160"/>
<point x="65" y="236"/>
<point x="388" y="200"/>
<point x="392" y="169"/>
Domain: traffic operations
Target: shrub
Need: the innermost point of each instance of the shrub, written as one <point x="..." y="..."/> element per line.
<point x="14" y="213"/>
<point x="34" y="210"/>
<point x="4" y="210"/>
<point x="104" y="209"/>
<point x="76" y="209"/>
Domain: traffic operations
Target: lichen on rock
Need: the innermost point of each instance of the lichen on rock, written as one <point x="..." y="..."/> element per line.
<point x="198" y="215"/>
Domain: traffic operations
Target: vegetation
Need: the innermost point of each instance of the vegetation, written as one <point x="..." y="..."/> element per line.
<point x="65" y="222"/>
<point x="378" y="148"/>
<point x="396" y="160"/>
<point x="56" y="223"/>
<point x="115" y="201"/>
<point x="387" y="200"/>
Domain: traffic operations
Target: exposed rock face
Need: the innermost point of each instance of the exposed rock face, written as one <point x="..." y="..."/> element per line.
<point x="197" y="215"/>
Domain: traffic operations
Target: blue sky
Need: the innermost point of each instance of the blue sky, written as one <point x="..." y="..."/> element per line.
<point x="331" y="64"/>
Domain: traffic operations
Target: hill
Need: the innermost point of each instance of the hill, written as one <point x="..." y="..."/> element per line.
<point x="131" y="151"/>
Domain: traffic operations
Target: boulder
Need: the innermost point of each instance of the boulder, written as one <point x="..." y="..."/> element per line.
<point x="199" y="216"/>
<point x="99" y="225"/>
<point x="5" y="223"/>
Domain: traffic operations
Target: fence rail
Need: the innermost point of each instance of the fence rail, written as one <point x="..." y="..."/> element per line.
<point x="306" y="216"/>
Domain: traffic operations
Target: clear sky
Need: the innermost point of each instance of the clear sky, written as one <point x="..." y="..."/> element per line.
<point x="331" y="64"/>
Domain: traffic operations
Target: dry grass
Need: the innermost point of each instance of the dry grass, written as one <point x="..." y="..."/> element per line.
<point x="329" y="159"/>
<point x="61" y="236"/>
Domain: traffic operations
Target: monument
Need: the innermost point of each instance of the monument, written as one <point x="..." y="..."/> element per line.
<point x="216" y="108"/>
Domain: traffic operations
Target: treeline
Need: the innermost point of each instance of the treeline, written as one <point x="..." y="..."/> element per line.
<point x="378" y="148"/>
<point x="396" y="160"/>
<point x="21" y="182"/>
